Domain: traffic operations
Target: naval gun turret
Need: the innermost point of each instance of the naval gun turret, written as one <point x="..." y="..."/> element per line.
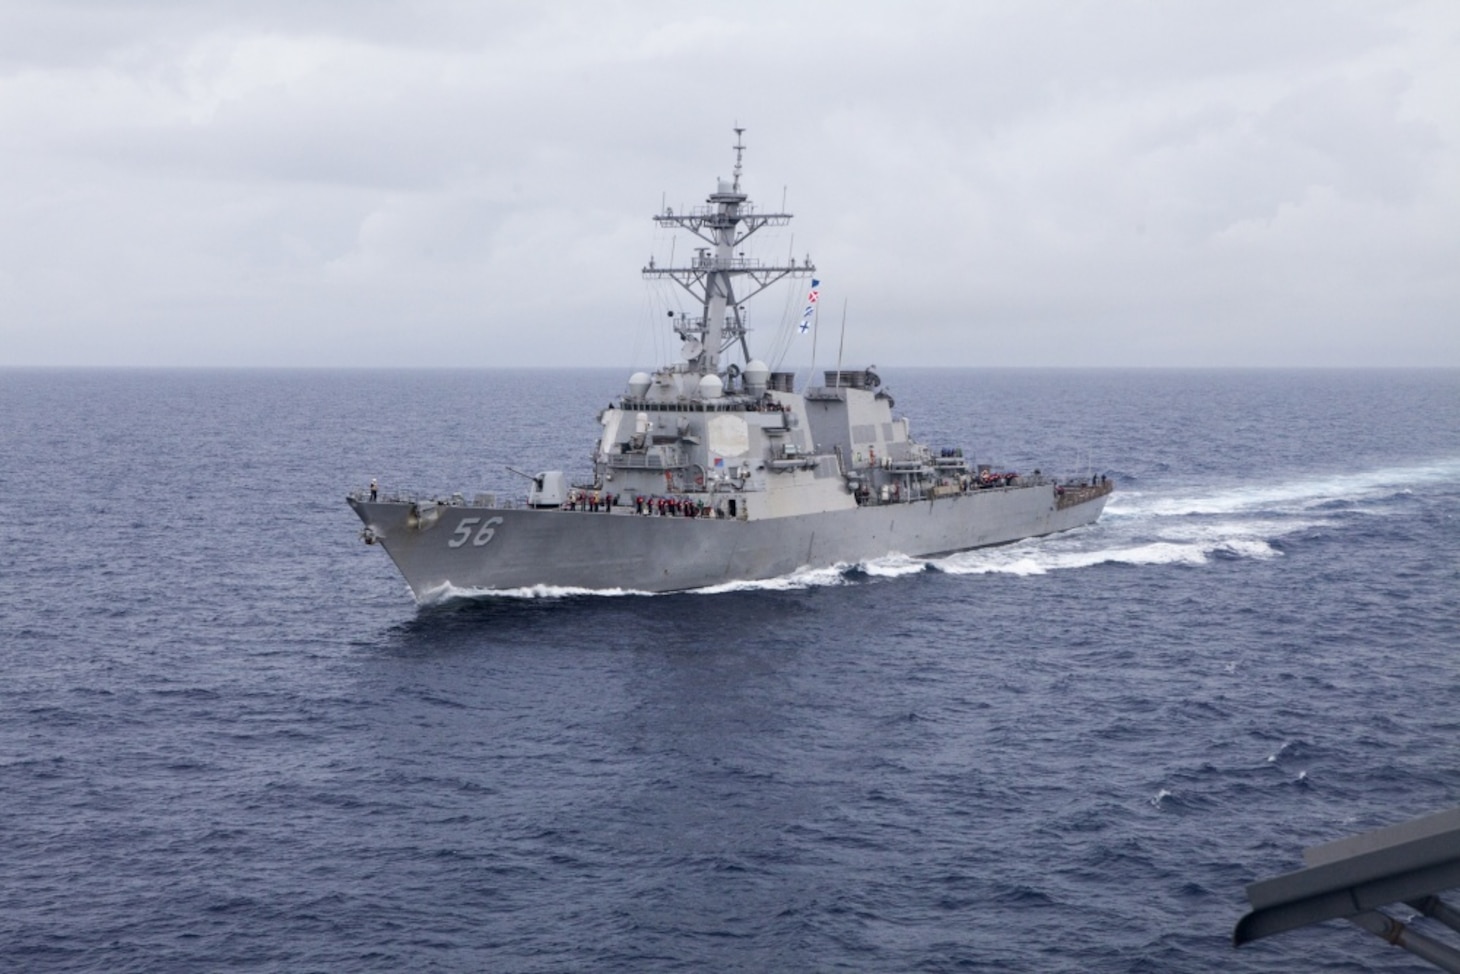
<point x="549" y="488"/>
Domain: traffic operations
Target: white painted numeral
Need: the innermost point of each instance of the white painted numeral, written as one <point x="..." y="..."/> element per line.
<point x="483" y="535"/>
<point x="463" y="531"/>
<point x="486" y="532"/>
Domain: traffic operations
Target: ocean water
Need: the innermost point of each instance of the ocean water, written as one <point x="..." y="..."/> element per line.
<point x="229" y="740"/>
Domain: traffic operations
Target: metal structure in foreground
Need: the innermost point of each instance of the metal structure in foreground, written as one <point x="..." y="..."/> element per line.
<point x="1356" y="879"/>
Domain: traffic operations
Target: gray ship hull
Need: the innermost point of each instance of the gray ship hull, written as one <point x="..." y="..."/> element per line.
<point x="462" y="548"/>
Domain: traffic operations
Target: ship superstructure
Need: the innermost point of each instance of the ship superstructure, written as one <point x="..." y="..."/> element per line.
<point x="711" y="470"/>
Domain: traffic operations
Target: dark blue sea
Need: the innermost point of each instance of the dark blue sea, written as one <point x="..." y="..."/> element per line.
<point x="230" y="741"/>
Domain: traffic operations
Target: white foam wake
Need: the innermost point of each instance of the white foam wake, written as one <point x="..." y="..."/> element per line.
<point x="1286" y="497"/>
<point x="802" y="578"/>
<point x="450" y="593"/>
<point x="894" y="566"/>
<point x="1190" y="527"/>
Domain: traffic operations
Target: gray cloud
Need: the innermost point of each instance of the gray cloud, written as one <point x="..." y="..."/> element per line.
<point x="470" y="184"/>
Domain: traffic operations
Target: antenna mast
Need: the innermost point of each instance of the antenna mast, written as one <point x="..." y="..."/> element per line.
<point x="724" y="223"/>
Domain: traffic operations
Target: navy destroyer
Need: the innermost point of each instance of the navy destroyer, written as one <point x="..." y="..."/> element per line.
<point x="715" y="469"/>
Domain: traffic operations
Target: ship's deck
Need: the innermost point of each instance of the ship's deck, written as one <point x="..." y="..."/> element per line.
<point x="1066" y="496"/>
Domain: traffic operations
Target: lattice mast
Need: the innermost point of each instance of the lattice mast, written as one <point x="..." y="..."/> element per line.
<point x="724" y="224"/>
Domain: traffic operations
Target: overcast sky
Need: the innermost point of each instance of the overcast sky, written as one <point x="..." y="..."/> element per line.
<point x="358" y="183"/>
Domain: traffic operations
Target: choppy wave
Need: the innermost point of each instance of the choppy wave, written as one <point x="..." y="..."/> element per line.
<point x="263" y="755"/>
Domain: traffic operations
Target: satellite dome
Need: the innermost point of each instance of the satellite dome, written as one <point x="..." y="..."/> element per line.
<point x="639" y="384"/>
<point x="711" y="387"/>
<point x="757" y="373"/>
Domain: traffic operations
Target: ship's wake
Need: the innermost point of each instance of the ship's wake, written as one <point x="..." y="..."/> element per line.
<point x="448" y="593"/>
<point x="1196" y="526"/>
<point x="1366" y="491"/>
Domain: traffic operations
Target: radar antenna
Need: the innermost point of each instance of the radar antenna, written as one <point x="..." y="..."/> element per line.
<point x="739" y="150"/>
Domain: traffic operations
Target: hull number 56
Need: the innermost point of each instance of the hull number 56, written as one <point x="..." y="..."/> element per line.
<point x="483" y="533"/>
